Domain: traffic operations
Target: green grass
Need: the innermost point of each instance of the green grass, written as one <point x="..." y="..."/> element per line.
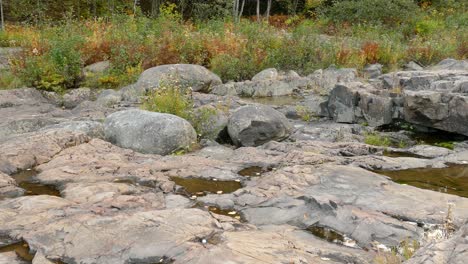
<point x="377" y="140"/>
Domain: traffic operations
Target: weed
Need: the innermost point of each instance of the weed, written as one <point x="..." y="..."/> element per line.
<point x="170" y="98"/>
<point x="304" y="113"/>
<point x="448" y="145"/>
<point x="376" y="140"/>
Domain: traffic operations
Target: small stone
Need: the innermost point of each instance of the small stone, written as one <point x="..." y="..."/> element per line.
<point x="215" y="179"/>
<point x="232" y="213"/>
<point x="193" y="197"/>
<point x="204" y="241"/>
<point x="219" y="192"/>
<point x="237" y="217"/>
<point x="237" y="180"/>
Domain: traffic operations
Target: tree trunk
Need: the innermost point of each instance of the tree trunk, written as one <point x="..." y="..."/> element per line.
<point x="155" y="4"/>
<point x="241" y="10"/>
<point x="135" y="2"/>
<point x="235" y="10"/>
<point x="268" y="11"/>
<point x="296" y="2"/>
<point x="2" y="21"/>
<point x="258" y="10"/>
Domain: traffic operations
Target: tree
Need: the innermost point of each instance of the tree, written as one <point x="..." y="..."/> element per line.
<point x="258" y="10"/>
<point x="2" y="19"/>
<point x="268" y="10"/>
<point x="238" y="9"/>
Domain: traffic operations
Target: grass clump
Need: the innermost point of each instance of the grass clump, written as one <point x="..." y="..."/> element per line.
<point x="173" y="98"/>
<point x="377" y="140"/>
<point x="8" y="80"/>
<point x="448" y="145"/>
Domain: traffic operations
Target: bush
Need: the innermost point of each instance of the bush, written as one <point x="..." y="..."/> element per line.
<point x="170" y="98"/>
<point x="376" y="140"/>
<point x="390" y="12"/>
<point x="9" y="81"/>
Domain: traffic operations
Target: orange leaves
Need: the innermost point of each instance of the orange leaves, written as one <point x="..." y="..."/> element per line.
<point x="370" y="52"/>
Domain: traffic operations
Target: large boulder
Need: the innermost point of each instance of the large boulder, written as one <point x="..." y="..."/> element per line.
<point x="266" y="83"/>
<point x="323" y="81"/>
<point x="197" y="77"/>
<point x="357" y="102"/>
<point x="149" y="132"/>
<point x="257" y="124"/>
<point x="437" y="109"/>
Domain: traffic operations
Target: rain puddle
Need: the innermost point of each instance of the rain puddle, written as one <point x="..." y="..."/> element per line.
<point x="21" y="249"/>
<point x="273" y="100"/>
<point x="402" y="154"/>
<point x="254" y="171"/>
<point x="25" y="180"/>
<point x="194" y="187"/>
<point x="226" y="212"/>
<point x="452" y="180"/>
<point x="331" y="235"/>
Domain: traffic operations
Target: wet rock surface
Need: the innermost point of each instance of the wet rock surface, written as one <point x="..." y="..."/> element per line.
<point x="297" y="190"/>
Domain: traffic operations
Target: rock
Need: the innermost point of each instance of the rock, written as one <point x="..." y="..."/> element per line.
<point x="198" y="78"/>
<point x="149" y="132"/>
<point x="373" y="71"/>
<point x="441" y="110"/>
<point x="98" y="67"/>
<point x="261" y="88"/>
<point x="429" y="151"/>
<point x="10" y="258"/>
<point x="211" y="121"/>
<point x="8" y="187"/>
<point x="109" y="98"/>
<point x="413" y="66"/>
<point x="451" y="250"/>
<point x="29" y="150"/>
<point x="451" y="64"/>
<point x="323" y="81"/>
<point x="256" y="125"/>
<point x="92" y="129"/>
<point x="26" y="110"/>
<point x="267" y="83"/>
<point x="267" y="74"/>
<point x="356" y="102"/>
<point x="76" y="96"/>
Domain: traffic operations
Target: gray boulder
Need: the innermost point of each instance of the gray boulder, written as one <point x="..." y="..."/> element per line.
<point x="373" y="71"/>
<point x="451" y="64"/>
<point x="197" y="77"/>
<point x="267" y="74"/>
<point x="257" y="124"/>
<point x="92" y="129"/>
<point x="108" y="98"/>
<point x="441" y="110"/>
<point x="357" y="102"/>
<point x="76" y="96"/>
<point x="149" y="132"/>
<point x="323" y="81"/>
<point x="211" y="121"/>
<point x="413" y="66"/>
<point x="98" y="67"/>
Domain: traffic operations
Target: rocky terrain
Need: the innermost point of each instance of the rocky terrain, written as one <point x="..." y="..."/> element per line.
<point x="88" y="177"/>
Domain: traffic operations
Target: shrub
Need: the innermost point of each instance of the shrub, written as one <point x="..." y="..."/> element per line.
<point x="9" y="81"/>
<point x="376" y="140"/>
<point x="390" y="12"/>
<point x="170" y="98"/>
